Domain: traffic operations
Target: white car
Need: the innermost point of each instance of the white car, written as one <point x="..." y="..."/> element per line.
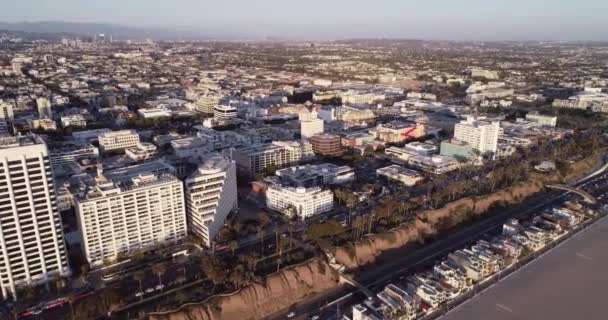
<point x="149" y="290"/>
<point x="315" y="317"/>
<point x="291" y="315"/>
<point x="139" y="294"/>
<point x="159" y="287"/>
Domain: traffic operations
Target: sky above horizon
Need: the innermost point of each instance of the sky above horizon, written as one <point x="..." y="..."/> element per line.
<point x="335" y="19"/>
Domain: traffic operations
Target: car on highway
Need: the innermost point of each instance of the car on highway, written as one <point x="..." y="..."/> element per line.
<point x="139" y="294"/>
<point x="315" y="317"/>
<point x="291" y="315"/>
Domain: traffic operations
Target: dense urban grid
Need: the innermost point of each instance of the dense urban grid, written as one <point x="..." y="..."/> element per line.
<point x="379" y="179"/>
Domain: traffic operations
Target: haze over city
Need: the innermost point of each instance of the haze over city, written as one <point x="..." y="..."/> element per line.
<point x="326" y="20"/>
<point x="303" y="160"/>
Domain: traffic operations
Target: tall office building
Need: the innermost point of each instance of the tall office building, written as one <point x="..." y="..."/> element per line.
<point x="310" y="125"/>
<point x="126" y="213"/>
<point x="6" y="109"/>
<point x="224" y="114"/>
<point x="481" y="135"/>
<point x="211" y="195"/>
<point x="44" y="107"/>
<point x="32" y="248"/>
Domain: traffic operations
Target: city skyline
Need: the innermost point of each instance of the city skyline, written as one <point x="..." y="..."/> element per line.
<point x="236" y="19"/>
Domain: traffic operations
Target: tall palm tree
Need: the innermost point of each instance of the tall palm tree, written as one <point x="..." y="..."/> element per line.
<point x="71" y="300"/>
<point x="139" y="276"/>
<point x="159" y="270"/>
<point x="234" y="245"/>
<point x="261" y="233"/>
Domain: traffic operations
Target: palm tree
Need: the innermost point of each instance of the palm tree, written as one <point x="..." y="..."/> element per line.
<point x="108" y="300"/>
<point x="60" y="283"/>
<point x="139" y="276"/>
<point x="234" y="245"/>
<point x="159" y="270"/>
<point x="71" y="300"/>
<point x="261" y="233"/>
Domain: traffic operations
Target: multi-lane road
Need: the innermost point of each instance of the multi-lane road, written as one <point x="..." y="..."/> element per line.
<point x="327" y="305"/>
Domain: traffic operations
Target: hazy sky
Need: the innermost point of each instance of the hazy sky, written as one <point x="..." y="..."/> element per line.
<point x="325" y="19"/>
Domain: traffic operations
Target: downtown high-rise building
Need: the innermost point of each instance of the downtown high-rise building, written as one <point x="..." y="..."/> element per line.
<point x="211" y="195"/>
<point x="481" y="135"/>
<point x="32" y="248"/>
<point x="121" y="214"/>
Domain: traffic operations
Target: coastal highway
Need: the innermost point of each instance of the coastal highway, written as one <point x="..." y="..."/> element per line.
<point x="327" y="304"/>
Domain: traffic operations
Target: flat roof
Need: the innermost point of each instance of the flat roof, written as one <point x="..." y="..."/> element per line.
<point x="568" y="282"/>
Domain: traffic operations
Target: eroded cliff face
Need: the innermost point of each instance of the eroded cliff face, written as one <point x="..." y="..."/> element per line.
<point x="427" y="223"/>
<point x="256" y="301"/>
<point x="366" y="251"/>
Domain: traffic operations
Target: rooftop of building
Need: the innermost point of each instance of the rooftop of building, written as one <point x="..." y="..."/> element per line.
<point x="189" y="142"/>
<point x="112" y="134"/>
<point x="325" y="136"/>
<point x="305" y="172"/>
<point x="214" y="164"/>
<point x="397" y="169"/>
<point x="135" y="170"/>
<point x="7" y="142"/>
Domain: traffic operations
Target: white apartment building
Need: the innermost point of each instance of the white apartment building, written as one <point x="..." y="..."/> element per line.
<point x="257" y="158"/>
<point x="481" y="135"/>
<point x="32" y="248"/>
<point x="310" y="125"/>
<point x="543" y="120"/>
<point x="74" y="120"/>
<point x="302" y="202"/>
<point x="211" y="194"/>
<point x="6" y="109"/>
<point x="224" y="114"/>
<point x="118" y="216"/>
<point x="118" y="140"/>
<point x="44" y="107"/>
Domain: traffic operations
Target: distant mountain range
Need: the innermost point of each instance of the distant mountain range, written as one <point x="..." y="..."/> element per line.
<point x="86" y="29"/>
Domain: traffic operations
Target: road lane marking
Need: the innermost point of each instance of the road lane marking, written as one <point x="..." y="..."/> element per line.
<point x="582" y="256"/>
<point x="505" y="308"/>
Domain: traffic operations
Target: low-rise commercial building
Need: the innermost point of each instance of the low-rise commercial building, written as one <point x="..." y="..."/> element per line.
<point x="118" y="140"/>
<point x="141" y="152"/>
<point x="398" y="173"/>
<point x="434" y="164"/>
<point x="300" y="202"/>
<point x="317" y="174"/>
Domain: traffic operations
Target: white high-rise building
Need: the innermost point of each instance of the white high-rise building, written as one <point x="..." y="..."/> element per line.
<point x="300" y="201"/>
<point x="310" y="125"/>
<point x="130" y="213"/>
<point x="118" y="140"/>
<point x="44" y="107"/>
<point x="211" y="194"/>
<point x="481" y="135"/>
<point x="32" y="248"/>
<point x="224" y="114"/>
<point x="6" y="109"/>
<point x="255" y="159"/>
